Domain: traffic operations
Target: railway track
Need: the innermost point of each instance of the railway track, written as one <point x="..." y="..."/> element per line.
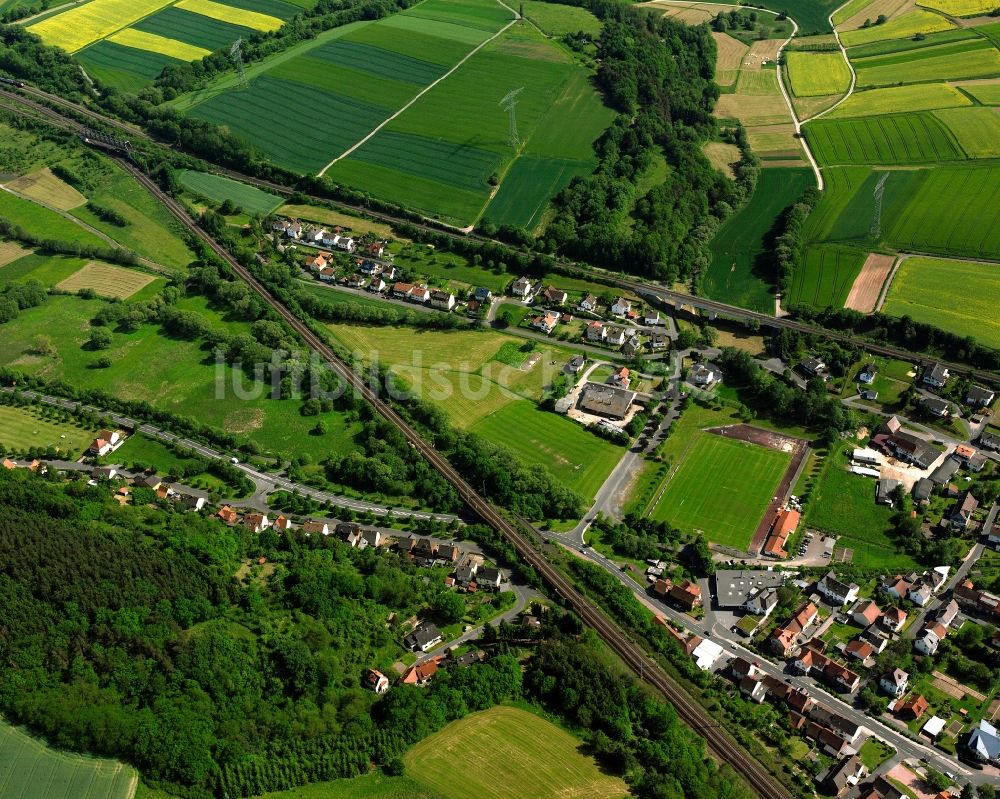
<point x="719" y="742"/>
<point x="650" y="289"/>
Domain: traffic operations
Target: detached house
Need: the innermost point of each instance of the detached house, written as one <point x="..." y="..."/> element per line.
<point x="442" y="300"/>
<point x="596" y="331"/>
<point x="256" y="522"/>
<point x="554" y="296"/>
<point x="521" y="288"/>
<point x="935" y="375"/>
<point x="895" y="682"/>
<point x="621" y="307"/>
<point x="979" y="397"/>
<point x="836" y="592"/>
<point x="588" y="303"/>
<point x="228" y="515"/>
<point x="425" y="636"/>
<point x="893" y="619"/>
<point x="961" y="512"/>
<point x="705" y="374"/>
<point x="687" y="595"/>
<point x="546" y="322"/>
<point x="929" y="639"/>
<point x="866" y="613"/>
<point x="615" y="336"/>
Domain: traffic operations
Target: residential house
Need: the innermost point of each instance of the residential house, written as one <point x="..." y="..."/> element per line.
<point x="596" y="331"/>
<point x="813" y="367"/>
<point x="576" y="364"/>
<point x="418" y="294"/>
<point x="631" y="347"/>
<point x="912" y="708"/>
<point x="489" y="578"/>
<point x="421" y="673"/>
<point x="588" y="303"/>
<point x="895" y="682"/>
<point x="687" y="595"/>
<point x="836" y="592"/>
<point x="946" y="614"/>
<point x="964" y="453"/>
<point x="922" y="490"/>
<point x="466" y="572"/>
<point x="884" y="489"/>
<point x="425" y="636"/>
<point x="912" y="449"/>
<point x="376" y="285"/>
<point x="546" y="322"/>
<point x="376" y="681"/>
<point x="615" y="336"/>
<point x="256" y="522"/>
<point x="990" y="441"/>
<point x="621" y="307"/>
<point x="652" y="318"/>
<point x="554" y="296"/>
<point x="620" y="377"/>
<point x="979" y="397"/>
<point x="371" y="538"/>
<point x="658" y="340"/>
<point x="9" y="464"/>
<point x="936" y="406"/>
<point x="346" y="243"/>
<point x="859" y="649"/>
<point x="375" y="249"/>
<point x="401" y="290"/>
<point x="448" y="552"/>
<point x="785" y="637"/>
<point x="961" y="512"/>
<point x="866" y="613"/>
<point x="929" y="639"/>
<point x="331" y="238"/>
<point x="349" y="532"/>
<point x="104" y="473"/>
<point x="425" y="548"/>
<point x="920" y="593"/>
<point x="944" y="472"/>
<point x="442" y="300"/>
<point x="983" y="743"/>
<point x="741" y="667"/>
<point x="893" y="619"/>
<point x="100" y="446"/>
<point x="974" y="600"/>
<point x="841" y="677"/>
<point x="935" y="375"/>
<point x="522" y="287"/>
<point x="228" y="515"/>
<point x="282" y="524"/>
<point x="762" y="602"/>
<point x="316" y="526"/>
<point x="843" y="776"/>
<point x="356" y="281"/>
<point x="897" y="587"/>
<point x="868" y="374"/>
<point x="754" y="689"/>
<point x="327" y="274"/>
<point x="194" y="502"/>
<point x="482" y="295"/>
<point x="705" y="374"/>
<point x="316" y="262"/>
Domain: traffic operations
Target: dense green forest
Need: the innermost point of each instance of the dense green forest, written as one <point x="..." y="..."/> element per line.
<point x="125" y="632"/>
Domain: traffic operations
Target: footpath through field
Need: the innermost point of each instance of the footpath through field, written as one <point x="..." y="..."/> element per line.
<point x="423" y="91"/>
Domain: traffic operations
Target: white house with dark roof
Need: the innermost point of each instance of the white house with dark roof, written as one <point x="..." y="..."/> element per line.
<point x="895" y="682"/>
<point x="935" y="375"/>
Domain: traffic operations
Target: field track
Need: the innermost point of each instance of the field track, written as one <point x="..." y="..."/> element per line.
<point x="648" y="290"/>
<point x="868" y="285"/>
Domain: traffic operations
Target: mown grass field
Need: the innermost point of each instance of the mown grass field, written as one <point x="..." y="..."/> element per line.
<point x="218" y="189"/>
<point x="959" y="296"/>
<point x="508" y="753"/>
<point x="31" y="770"/>
<point x="23" y="429"/>
<point x="899" y="99"/>
<point x="43" y="222"/>
<point x="46" y="269"/>
<point x="106" y="280"/>
<point x="176" y="375"/>
<point x="895" y="139"/>
<point x="825" y="277"/>
<point x="721" y="487"/>
<point x="559" y="20"/>
<point x="578" y="458"/>
<point x="843" y="504"/>
<point x="814" y="74"/>
<point x="48" y="189"/>
<point x="741" y="272"/>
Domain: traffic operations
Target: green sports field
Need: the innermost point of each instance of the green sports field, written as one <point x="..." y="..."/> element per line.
<point x="508" y="753"/>
<point x="741" y="273"/>
<point x="218" y="189"/>
<point x="31" y="770"/>
<point x="959" y="296"/>
<point x="722" y="487"/>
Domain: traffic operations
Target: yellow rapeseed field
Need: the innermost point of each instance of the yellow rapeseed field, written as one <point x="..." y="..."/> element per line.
<point x="77" y="27"/>
<point x="237" y="16"/>
<point x="140" y="40"/>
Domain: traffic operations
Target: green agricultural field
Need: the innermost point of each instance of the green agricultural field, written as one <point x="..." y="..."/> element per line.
<point x="176" y="375"/>
<point x="46" y="269"/>
<point x="31" y="770"/>
<point x="369" y="786"/>
<point x="741" y="272"/>
<point x="986" y="92"/>
<point x="559" y="20"/>
<point x="958" y="296"/>
<point x="897" y="139"/>
<point x="218" y="189"/>
<point x="125" y="69"/>
<point x="812" y="15"/>
<point x="843" y="185"/>
<point x="815" y="74"/>
<point x="508" y="753"/>
<point x="191" y="28"/>
<point x="921" y="97"/>
<point x="950" y="210"/>
<point x="932" y="40"/>
<point x="44" y="223"/>
<point x="825" y="276"/>
<point x="976" y="129"/>
<point x="960" y="61"/>
<point x="23" y="429"/>
<point x="721" y="487"/>
<point x="904" y="27"/>
<point x="578" y="458"/>
<point x="843" y="504"/>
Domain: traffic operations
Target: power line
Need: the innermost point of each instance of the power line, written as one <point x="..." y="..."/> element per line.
<point x="509" y="104"/>
<point x="236" y="54"/>
<point x="876" y="229"/>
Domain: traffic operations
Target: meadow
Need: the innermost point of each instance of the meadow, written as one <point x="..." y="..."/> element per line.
<point x="31" y="770"/>
<point x="977" y="130"/>
<point x="176" y="375"/>
<point x="219" y="189"/>
<point x="508" y="753"/>
<point x="106" y="280"/>
<point x="46" y="188"/>
<point x="843" y="504"/>
<point x="825" y="277"/>
<point x="721" y="487"/>
<point x="959" y="296"/>
<point x="741" y="272"/>
<point x="892" y="139"/>
<point x="811" y="15"/>
<point x="576" y="457"/>
<point x="43" y="222"/>
<point x="559" y="20"/>
<point x="918" y="21"/>
<point x="46" y="269"/>
<point x="23" y="429"/>
<point x="898" y="99"/>
<point x="814" y="74"/>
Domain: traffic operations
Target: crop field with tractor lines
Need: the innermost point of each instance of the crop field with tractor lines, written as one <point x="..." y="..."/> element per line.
<point x="898" y="139"/>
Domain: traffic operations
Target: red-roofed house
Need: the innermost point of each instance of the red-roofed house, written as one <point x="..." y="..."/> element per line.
<point x="687" y="595"/>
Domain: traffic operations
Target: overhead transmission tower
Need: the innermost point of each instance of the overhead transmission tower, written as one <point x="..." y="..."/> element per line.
<point x="876" y="229"/>
<point x="236" y="54"/>
<point x="509" y="104"/>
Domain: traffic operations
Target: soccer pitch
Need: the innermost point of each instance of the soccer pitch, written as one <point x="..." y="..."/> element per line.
<point x="722" y="487"/>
